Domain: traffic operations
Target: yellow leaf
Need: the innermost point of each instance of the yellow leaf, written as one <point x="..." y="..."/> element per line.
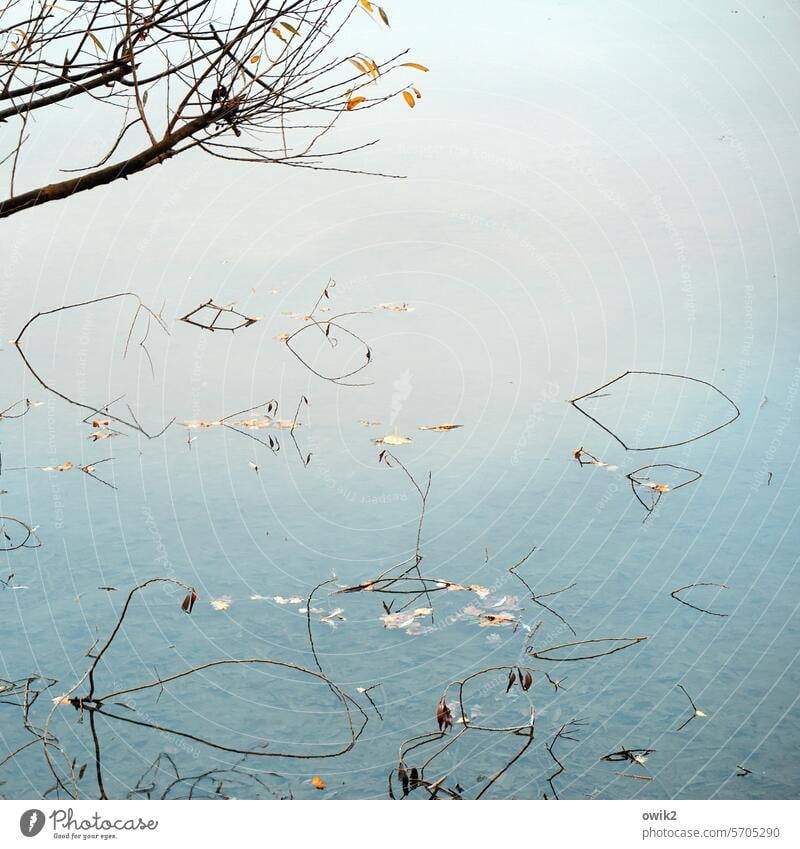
<point x="289" y="27"/>
<point x="351" y="104"/>
<point x="367" y="5"/>
<point x="358" y="65"/>
<point x="409" y="99"/>
<point x="318" y="783"/>
<point x="255" y="58"/>
<point x="96" y="41"/>
<point x="372" y="67"/>
<point x="382" y="13"/>
<point x="414" y="65"/>
<point x="278" y="34"/>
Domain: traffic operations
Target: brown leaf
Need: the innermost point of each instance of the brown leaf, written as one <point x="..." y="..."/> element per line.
<point x="512" y="677"/>
<point x="444" y="718"/>
<point x="318" y="783"/>
<point x="188" y="603"/>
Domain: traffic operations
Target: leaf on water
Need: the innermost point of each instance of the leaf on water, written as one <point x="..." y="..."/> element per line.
<point x="220" y="603"/>
<point x="512" y="678"/>
<point x="333" y="617"/>
<point x="406" y="618"/>
<point x="440" y="428"/>
<point x="294" y="599"/>
<point x="192" y="425"/>
<point x="101" y="434"/>
<point x="444" y="717"/>
<point x="64" y="467"/>
<point x="101" y="422"/>
<point x="488" y="620"/>
<point x="392" y="439"/>
<point x="395" y="307"/>
<point x="317" y="783"/>
<point x="188" y="603"/>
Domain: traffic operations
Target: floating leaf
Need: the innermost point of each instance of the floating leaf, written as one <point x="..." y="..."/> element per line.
<point x="317" y="783"/>
<point x="220" y="603"/>
<point x="392" y="439"/>
<point x="444" y="718"/>
<point x="440" y="428"/>
<point x="188" y="603"/>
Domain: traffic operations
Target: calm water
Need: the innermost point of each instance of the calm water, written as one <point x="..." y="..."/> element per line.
<point x="627" y="221"/>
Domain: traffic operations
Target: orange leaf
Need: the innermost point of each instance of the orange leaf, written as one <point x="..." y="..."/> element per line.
<point x="351" y="104"/>
<point x="317" y="782"/>
<point x="414" y="65"/>
<point x="358" y="65"/>
<point x="409" y="99"/>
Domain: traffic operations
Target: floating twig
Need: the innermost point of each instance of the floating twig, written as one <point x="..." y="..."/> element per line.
<point x="675" y="595"/>
<point x="214" y="320"/>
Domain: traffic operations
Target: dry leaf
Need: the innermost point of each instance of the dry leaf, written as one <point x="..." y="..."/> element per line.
<point x="444" y="718"/>
<point x="188" y="603"/>
<point x="220" y="603"/>
<point x="353" y="102"/>
<point x="317" y="783"/>
<point x="64" y="467"/>
<point x="409" y="99"/>
<point x="440" y="427"/>
<point x="395" y="307"/>
<point x="414" y="65"/>
<point x="487" y="620"/>
<point x="392" y="439"/>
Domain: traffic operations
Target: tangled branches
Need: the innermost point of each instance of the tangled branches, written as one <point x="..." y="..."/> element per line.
<point x="245" y="82"/>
